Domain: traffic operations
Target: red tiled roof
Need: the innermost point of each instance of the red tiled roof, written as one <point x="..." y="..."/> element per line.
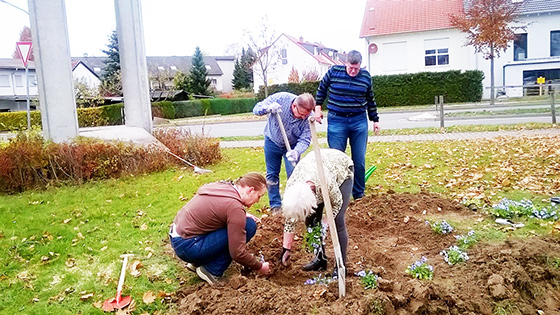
<point x="384" y="17"/>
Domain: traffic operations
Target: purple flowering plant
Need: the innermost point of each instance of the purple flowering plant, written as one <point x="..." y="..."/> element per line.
<point x="421" y="270"/>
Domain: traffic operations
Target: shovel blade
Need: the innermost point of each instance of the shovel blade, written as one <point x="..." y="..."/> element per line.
<point x="114" y="303"/>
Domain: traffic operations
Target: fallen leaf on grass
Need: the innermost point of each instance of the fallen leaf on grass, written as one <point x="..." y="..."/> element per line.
<point x="70" y="262"/>
<point x="86" y="297"/>
<point x="143" y="227"/>
<point x="97" y="304"/>
<point x="148" y="297"/>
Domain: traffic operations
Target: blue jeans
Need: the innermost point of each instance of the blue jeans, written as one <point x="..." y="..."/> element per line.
<point x="339" y="130"/>
<point x="273" y="155"/>
<point x="210" y="250"/>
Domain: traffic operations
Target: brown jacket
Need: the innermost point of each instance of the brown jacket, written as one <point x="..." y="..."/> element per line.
<point x="215" y="206"/>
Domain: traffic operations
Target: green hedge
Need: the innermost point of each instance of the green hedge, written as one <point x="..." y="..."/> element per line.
<point x="407" y="89"/>
<point x="421" y="88"/>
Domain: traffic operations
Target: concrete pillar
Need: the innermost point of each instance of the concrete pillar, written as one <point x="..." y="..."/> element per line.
<point x="54" y="69"/>
<point x="137" y="107"/>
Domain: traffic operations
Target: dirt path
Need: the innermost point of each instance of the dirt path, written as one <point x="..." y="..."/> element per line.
<point x="387" y="233"/>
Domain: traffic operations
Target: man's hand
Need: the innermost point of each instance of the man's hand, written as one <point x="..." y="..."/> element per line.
<point x="292" y="155"/>
<point x="286" y="255"/>
<point x="274" y="108"/>
<point x="265" y="269"/>
<point x="376" y="128"/>
<point x="318" y="114"/>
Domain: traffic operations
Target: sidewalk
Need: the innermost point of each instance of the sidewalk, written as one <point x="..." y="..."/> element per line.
<point x="422" y="137"/>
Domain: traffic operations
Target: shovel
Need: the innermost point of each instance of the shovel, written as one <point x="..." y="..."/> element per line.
<point x="118" y="302"/>
<point x="328" y="210"/>
<point x="281" y="125"/>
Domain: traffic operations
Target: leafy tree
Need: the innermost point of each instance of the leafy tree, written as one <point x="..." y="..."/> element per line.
<point x="181" y="81"/>
<point x="489" y="27"/>
<point x="242" y="72"/>
<point x="24" y="36"/>
<point x="266" y="58"/>
<point x="294" y="76"/>
<point x="86" y="96"/>
<point x="111" y="86"/>
<point x="197" y="81"/>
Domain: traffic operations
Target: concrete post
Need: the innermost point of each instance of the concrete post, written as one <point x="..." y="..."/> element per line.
<point x="54" y="69"/>
<point x="137" y="107"/>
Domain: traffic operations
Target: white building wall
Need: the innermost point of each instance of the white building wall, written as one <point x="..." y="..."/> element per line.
<point x="81" y="73"/>
<point x="13" y="82"/>
<point x="409" y="57"/>
<point x="227" y="66"/>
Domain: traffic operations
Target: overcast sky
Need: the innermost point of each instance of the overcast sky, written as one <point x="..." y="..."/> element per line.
<point x="176" y="27"/>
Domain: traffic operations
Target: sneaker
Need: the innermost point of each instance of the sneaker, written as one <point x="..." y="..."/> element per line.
<point x="191" y="267"/>
<point x="206" y="275"/>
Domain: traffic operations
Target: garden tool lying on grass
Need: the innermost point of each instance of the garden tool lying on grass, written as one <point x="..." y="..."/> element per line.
<point x="197" y="169"/>
<point x="118" y="302"/>
<point x="328" y="209"/>
<point x="281" y="125"/>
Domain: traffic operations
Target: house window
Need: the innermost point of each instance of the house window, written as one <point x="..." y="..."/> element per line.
<point x="5" y="81"/>
<point x="435" y="57"/>
<point x="32" y="80"/>
<point x="19" y="80"/>
<point x="554" y="43"/>
<point x="214" y="81"/>
<point x="284" y="54"/>
<point x="520" y="47"/>
<point x="436" y="52"/>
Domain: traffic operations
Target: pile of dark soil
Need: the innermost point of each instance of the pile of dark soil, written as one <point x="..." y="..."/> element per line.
<point x="387" y="233"/>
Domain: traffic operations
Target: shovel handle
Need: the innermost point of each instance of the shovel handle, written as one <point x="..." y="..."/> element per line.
<point x="123" y="273"/>
<point x="284" y="135"/>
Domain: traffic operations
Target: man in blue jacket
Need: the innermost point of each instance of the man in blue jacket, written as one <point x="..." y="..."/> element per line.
<point x="294" y="111"/>
<point x="350" y="104"/>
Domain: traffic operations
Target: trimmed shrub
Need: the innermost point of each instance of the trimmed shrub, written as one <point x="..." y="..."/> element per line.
<point x="197" y="149"/>
<point x="13" y="121"/>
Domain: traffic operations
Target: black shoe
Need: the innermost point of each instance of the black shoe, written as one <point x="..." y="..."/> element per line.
<point x="318" y="263"/>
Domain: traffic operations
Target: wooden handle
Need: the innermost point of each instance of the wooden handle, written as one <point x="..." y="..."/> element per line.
<point x="328" y="209"/>
<point x="281" y="125"/>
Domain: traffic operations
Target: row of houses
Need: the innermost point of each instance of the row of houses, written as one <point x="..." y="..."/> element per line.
<point x="89" y="70"/>
<point x="400" y="36"/>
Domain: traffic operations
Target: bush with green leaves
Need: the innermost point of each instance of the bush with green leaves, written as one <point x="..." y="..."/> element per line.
<point x="421" y="270"/>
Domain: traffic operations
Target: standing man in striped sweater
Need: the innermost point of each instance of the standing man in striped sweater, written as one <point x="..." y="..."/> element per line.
<point x="350" y="104"/>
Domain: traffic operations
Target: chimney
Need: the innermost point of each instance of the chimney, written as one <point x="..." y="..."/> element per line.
<point x="301" y="39"/>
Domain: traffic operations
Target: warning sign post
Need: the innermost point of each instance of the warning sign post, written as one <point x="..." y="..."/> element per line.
<point x="24" y="49"/>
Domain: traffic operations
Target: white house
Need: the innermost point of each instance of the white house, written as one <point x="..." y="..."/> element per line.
<point x="13" y="84"/>
<point x="410" y="36"/>
<point x="304" y="57"/>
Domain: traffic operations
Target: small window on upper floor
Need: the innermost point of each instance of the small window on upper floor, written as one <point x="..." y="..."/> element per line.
<point x="5" y="81"/>
<point x="207" y="67"/>
<point x="520" y="47"/>
<point x="554" y="43"/>
<point x="284" y="54"/>
<point x="97" y="69"/>
<point x="160" y="68"/>
<point x="173" y="68"/>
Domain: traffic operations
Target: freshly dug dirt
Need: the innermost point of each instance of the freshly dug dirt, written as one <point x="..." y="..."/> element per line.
<point x="386" y="234"/>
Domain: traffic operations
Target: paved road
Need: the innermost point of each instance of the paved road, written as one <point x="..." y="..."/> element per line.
<point x="394" y="120"/>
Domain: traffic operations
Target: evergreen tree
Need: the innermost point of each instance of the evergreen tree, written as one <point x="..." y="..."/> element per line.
<point x="198" y="83"/>
<point x="113" y="63"/>
<point x="111" y="84"/>
<point x="242" y="72"/>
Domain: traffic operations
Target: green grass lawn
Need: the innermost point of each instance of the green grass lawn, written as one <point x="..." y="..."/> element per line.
<point x="60" y="248"/>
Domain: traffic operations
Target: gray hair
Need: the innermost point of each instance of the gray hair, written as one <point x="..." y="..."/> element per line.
<point x="354" y="57"/>
<point x="299" y="202"/>
<point x="306" y="101"/>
